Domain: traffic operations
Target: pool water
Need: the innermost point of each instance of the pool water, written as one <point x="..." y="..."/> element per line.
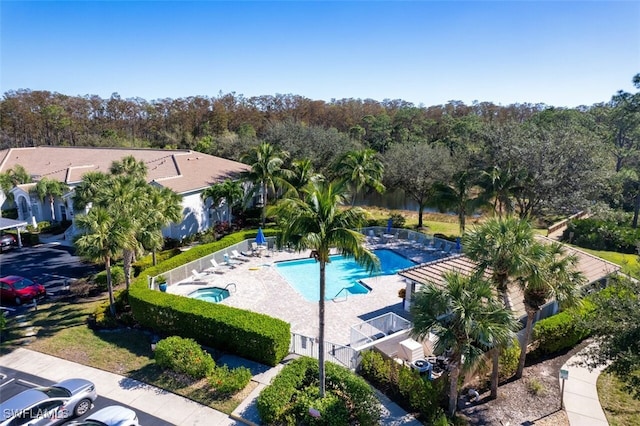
<point x="211" y="294"/>
<point x="304" y="275"/>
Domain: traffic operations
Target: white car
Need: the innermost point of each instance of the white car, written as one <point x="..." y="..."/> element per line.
<point x="114" y="415"/>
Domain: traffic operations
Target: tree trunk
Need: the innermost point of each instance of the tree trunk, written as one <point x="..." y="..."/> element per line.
<point x="112" y="300"/>
<point x="454" y="373"/>
<point x="53" y="210"/>
<point x="636" y="210"/>
<point x="154" y="257"/>
<point x="531" y="314"/>
<point x="495" y="357"/>
<point x="264" y="203"/>
<point x="420" y="211"/>
<point x="127" y="260"/>
<point x="321" y="331"/>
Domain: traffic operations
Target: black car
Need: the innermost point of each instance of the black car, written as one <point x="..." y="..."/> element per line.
<point x="7" y="241"/>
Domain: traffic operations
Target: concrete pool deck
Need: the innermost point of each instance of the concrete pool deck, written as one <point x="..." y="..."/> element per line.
<point x="260" y="288"/>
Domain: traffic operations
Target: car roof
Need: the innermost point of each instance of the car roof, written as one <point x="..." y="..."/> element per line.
<point x="24" y="399"/>
<point x="10" y="279"/>
<point x="74" y="385"/>
<point x="114" y="414"/>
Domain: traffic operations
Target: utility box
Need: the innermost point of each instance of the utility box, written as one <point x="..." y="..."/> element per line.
<point x="410" y="350"/>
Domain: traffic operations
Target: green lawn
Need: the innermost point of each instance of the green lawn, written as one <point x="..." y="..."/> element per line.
<point x="620" y="408"/>
<point x="62" y="331"/>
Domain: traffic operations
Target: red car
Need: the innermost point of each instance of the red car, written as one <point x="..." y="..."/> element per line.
<point x="19" y="289"/>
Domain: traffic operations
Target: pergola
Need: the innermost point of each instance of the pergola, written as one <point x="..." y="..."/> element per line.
<point x="11" y="224"/>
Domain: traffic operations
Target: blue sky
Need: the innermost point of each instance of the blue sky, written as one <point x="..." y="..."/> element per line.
<point x="561" y="53"/>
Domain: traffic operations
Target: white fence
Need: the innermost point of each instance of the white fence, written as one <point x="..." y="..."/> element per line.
<point x="338" y="354"/>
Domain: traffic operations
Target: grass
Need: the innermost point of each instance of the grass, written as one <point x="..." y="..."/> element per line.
<point x="620" y="408"/>
<point x="62" y="331"/>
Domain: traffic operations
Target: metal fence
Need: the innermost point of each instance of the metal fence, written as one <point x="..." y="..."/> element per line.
<point x="334" y="352"/>
<point x="377" y="328"/>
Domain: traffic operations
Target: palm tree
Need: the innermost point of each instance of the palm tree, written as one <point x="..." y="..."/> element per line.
<point x="9" y="179"/>
<point x="266" y="172"/>
<point x="554" y="276"/>
<point x="231" y="191"/>
<point x="506" y="248"/>
<point x="163" y="208"/>
<point x="302" y="174"/>
<point x="460" y="195"/>
<point x="103" y="238"/>
<point x="502" y="184"/>
<point x="317" y="222"/>
<point x="466" y="320"/>
<point x="49" y="189"/>
<point x="129" y="166"/>
<point x="88" y="190"/>
<point x="361" y="169"/>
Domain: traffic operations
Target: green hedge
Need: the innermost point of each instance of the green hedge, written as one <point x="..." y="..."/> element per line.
<point x="348" y="399"/>
<point x="248" y="334"/>
<point x="562" y="331"/>
<point x="404" y="385"/>
<point x="598" y="234"/>
<point x="184" y="356"/>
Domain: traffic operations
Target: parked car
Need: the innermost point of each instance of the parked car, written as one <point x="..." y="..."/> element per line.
<point x="19" y="289"/>
<point x="7" y="241"/>
<point x="115" y="415"/>
<point x="49" y="405"/>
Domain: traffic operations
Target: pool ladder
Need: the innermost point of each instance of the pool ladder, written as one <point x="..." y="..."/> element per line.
<point x="231" y="284"/>
<point x="346" y="293"/>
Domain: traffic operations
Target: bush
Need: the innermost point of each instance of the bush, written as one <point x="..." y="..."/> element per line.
<point x="184" y="356"/>
<point x="226" y="381"/>
<point x="598" y="234"/>
<point x="117" y="278"/>
<point x="348" y="399"/>
<point x="403" y="385"/>
<point x="509" y="358"/>
<point x="562" y="331"/>
<point x="397" y="220"/>
<point x="147" y="261"/>
<point x="102" y="317"/>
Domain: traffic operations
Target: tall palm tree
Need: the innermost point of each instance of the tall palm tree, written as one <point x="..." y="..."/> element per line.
<point x="361" y="169"/>
<point x="317" y="222"/>
<point x="9" y="179"/>
<point x="502" y="184"/>
<point x="129" y="166"/>
<point x="163" y="208"/>
<point x="88" y="190"/>
<point x="302" y="174"/>
<point x="103" y="239"/>
<point x="507" y="248"/>
<point x="461" y="195"/>
<point x="48" y="189"/>
<point x="230" y="191"/>
<point x="553" y="276"/>
<point x="466" y="320"/>
<point x="267" y="172"/>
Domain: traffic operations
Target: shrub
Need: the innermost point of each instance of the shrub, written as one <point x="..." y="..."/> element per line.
<point x="117" y="278"/>
<point x="535" y="387"/>
<point x="404" y="385"/>
<point x="184" y="356"/>
<point x="226" y="381"/>
<point x="102" y="317"/>
<point x="397" y="220"/>
<point x="509" y="358"/>
<point x="562" y="331"/>
<point x="348" y="399"/>
<point x="147" y="261"/>
<point x="601" y="234"/>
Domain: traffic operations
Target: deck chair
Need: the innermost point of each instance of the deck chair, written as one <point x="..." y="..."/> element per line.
<point x="230" y="262"/>
<point x="199" y="276"/>
<point x="237" y="256"/>
<point x="214" y="268"/>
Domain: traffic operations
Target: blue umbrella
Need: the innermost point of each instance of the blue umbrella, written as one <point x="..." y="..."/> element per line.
<point x="260" y="239"/>
<point x="389" y="224"/>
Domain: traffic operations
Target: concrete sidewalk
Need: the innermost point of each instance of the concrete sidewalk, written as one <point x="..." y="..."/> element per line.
<point x="141" y="396"/>
<point x="580" y="398"/>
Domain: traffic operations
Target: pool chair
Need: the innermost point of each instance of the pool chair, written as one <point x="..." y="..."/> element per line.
<point x="214" y="268"/>
<point x="237" y="256"/>
<point x="199" y="276"/>
<point x="372" y="237"/>
<point x="230" y="262"/>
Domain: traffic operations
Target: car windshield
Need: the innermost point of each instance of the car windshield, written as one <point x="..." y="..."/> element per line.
<point x="23" y="283"/>
<point x="55" y="392"/>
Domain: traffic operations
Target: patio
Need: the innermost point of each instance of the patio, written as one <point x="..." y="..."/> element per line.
<point x="260" y="288"/>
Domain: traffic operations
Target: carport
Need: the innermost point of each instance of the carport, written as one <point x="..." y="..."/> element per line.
<point x="11" y="224"/>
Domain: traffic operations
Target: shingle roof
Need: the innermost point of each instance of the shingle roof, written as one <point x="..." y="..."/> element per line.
<point x="180" y="170"/>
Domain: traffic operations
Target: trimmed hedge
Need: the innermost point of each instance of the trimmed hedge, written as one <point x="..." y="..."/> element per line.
<point x="562" y="331"/>
<point x="348" y="399"/>
<point x="248" y="334"/>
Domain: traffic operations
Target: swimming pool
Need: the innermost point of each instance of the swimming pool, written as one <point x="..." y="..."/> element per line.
<point x="304" y="275"/>
<point x="210" y="294"/>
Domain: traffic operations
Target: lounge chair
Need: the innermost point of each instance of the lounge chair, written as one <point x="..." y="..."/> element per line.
<point x="230" y="262"/>
<point x="215" y="267"/>
<point x="238" y="256"/>
<point x="199" y="276"/>
<point x="257" y="249"/>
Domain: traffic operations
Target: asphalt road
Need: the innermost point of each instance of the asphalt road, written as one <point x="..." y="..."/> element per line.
<point x="44" y="262"/>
